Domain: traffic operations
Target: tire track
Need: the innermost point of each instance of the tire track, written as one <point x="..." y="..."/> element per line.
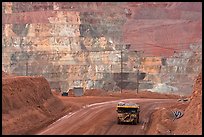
<point x="100" y="118"/>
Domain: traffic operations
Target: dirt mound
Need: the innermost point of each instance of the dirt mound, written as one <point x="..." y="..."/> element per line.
<point x="190" y="124"/>
<point x="95" y="92"/>
<point x="27" y="104"/>
<point x="162" y="121"/>
<point x="142" y="94"/>
<point x="129" y="94"/>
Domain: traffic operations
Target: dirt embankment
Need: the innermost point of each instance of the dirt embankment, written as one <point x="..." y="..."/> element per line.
<point x="190" y="124"/>
<point x="27" y="104"/>
<point x="124" y="94"/>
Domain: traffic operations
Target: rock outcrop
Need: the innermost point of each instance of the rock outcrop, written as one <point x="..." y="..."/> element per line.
<point x="79" y="44"/>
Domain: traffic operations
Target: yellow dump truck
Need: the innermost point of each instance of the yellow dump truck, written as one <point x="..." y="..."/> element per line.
<point x="128" y="112"/>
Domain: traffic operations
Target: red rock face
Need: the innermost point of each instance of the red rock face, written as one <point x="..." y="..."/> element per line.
<point x="157" y="28"/>
<point x="79" y="44"/>
<point x="162" y="28"/>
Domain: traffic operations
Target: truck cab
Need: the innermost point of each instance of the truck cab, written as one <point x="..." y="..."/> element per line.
<point x="128" y="112"/>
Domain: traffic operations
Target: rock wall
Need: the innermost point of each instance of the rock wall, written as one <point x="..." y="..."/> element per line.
<point x="81" y="44"/>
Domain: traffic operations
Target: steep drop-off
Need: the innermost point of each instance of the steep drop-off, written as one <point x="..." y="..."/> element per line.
<point x="83" y="44"/>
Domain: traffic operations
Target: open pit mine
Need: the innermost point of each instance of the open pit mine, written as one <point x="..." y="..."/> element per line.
<point x="66" y="66"/>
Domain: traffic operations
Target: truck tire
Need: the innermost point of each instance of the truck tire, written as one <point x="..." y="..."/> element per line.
<point x="134" y="122"/>
<point x="138" y="118"/>
<point x="118" y="121"/>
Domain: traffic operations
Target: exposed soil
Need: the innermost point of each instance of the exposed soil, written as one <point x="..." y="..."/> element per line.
<point x="162" y="121"/>
<point x="190" y="124"/>
<point x="129" y="94"/>
<point x="27" y="103"/>
<point x="101" y="119"/>
<point x="29" y="106"/>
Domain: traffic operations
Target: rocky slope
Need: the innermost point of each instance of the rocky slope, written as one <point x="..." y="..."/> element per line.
<point x="79" y="44"/>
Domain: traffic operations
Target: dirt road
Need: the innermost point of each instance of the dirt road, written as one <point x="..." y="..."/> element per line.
<point x="101" y="119"/>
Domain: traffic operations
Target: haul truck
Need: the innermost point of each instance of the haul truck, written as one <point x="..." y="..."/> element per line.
<point x="128" y="112"/>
